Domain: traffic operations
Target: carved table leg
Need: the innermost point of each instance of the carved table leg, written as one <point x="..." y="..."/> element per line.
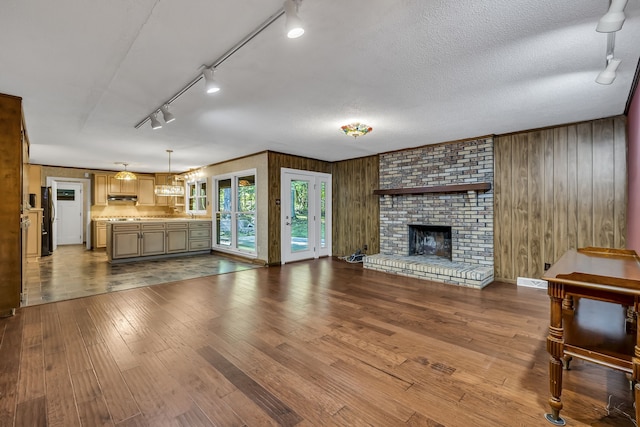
<point x="555" y="347"/>
<point x="567" y="302"/>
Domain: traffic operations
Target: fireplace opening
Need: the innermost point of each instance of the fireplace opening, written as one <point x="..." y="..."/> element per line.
<point x="430" y="240"/>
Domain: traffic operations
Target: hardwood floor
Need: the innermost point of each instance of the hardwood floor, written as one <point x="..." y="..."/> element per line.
<point x="315" y="343"/>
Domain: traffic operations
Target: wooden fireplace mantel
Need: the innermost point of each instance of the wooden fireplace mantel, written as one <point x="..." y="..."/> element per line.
<point x="452" y="188"/>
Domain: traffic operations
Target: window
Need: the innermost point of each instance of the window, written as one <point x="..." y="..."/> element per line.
<point x="197" y="197"/>
<point x="236" y="212"/>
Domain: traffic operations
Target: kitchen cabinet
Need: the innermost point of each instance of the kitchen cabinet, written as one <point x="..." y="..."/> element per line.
<point x="152" y="238"/>
<point x="161" y="179"/>
<point x="100" y="190"/>
<point x="177" y="237"/>
<point x="123" y="241"/>
<point x="34" y="234"/>
<point x="14" y="154"/>
<point x="199" y="235"/>
<point x="127" y="240"/>
<point x="122" y="187"/>
<point x="146" y="187"/>
<point x="99" y="234"/>
<point x="35" y="183"/>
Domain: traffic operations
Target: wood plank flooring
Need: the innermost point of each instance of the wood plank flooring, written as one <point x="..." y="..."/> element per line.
<point x="315" y="343"/>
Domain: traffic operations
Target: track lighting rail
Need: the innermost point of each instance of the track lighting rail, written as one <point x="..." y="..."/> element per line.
<point x="246" y="39"/>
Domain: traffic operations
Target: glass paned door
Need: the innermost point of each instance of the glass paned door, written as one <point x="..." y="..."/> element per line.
<point x="299" y="219"/>
<point x="246" y="213"/>
<point x="305" y="215"/>
<point x="223" y="213"/>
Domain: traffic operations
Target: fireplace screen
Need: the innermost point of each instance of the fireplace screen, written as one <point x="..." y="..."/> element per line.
<point x="430" y="240"/>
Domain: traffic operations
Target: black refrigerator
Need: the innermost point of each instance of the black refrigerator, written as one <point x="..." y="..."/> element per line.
<point x="48" y="213"/>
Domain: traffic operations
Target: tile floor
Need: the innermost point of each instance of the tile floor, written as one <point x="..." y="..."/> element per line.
<point x="73" y="272"/>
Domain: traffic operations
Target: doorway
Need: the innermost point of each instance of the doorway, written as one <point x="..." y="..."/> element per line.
<point x="82" y="219"/>
<point x="69" y="218"/>
<point x="305" y="215"/>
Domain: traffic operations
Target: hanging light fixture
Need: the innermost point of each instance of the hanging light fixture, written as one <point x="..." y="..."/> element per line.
<point x="210" y="85"/>
<point x="169" y="188"/>
<point x="125" y="175"/>
<point x="166" y="114"/>
<point x="614" y="18"/>
<point x="356" y="129"/>
<point x="294" y="23"/>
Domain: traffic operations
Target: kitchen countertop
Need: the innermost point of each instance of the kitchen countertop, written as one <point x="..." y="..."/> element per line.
<point x="150" y="219"/>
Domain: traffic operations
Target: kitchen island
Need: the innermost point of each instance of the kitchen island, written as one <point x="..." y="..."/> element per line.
<point x="142" y="239"/>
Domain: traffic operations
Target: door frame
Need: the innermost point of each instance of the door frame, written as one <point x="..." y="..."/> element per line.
<point x="315" y="178"/>
<point x="52" y="181"/>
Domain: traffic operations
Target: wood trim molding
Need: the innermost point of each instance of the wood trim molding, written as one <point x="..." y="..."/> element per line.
<point x="453" y="188"/>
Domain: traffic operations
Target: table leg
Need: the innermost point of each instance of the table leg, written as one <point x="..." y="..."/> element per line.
<point x="636" y="367"/>
<point x="555" y="347"/>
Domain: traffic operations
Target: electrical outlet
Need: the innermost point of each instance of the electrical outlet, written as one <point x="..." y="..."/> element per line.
<point x="365" y="247"/>
<point x="547" y="266"/>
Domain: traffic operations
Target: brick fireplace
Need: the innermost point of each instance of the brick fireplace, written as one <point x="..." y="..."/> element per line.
<point x="442" y="173"/>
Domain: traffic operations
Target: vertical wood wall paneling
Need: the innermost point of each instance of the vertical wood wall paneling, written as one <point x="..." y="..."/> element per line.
<point x="356" y="210"/>
<point x="535" y="190"/>
<point x="585" y="185"/>
<point x="548" y="235"/>
<point x="560" y="193"/>
<point x="276" y="162"/>
<point x="603" y="183"/>
<point x="503" y="265"/>
<point x="520" y="165"/>
<point x="567" y="189"/>
<point x="10" y="209"/>
<point x="620" y="183"/>
<point x="572" y="187"/>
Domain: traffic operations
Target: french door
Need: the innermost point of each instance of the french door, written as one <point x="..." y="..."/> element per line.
<point x="305" y="215"/>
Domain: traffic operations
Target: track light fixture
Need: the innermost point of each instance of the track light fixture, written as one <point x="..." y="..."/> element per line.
<point x="294" y="23"/>
<point x="166" y="114"/>
<point x="155" y="123"/>
<point x="608" y="75"/>
<point x="614" y="18"/>
<point x="210" y="85"/>
<point x="294" y="29"/>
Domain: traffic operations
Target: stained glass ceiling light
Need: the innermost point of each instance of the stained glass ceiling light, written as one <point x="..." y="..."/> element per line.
<point x="169" y="189"/>
<point x="125" y="175"/>
<point x="356" y="129"/>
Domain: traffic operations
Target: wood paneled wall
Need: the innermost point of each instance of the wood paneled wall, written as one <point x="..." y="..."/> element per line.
<point x="356" y="210"/>
<point x="276" y="161"/>
<point x="557" y="189"/>
<point x="12" y="249"/>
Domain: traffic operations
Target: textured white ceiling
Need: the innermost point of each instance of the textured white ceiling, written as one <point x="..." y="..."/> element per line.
<point x="418" y="71"/>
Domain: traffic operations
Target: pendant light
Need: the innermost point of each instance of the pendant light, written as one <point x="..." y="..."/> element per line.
<point x="125" y="175"/>
<point x="169" y="188"/>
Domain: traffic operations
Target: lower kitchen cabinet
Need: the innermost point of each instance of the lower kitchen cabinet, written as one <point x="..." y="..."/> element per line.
<point x="177" y="237"/>
<point x="99" y="234"/>
<point x="152" y="241"/>
<point x="156" y="238"/>
<point x="125" y="244"/>
<point x="199" y="235"/>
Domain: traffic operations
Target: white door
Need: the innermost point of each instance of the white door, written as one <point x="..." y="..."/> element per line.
<point x="306" y="215"/>
<point x="68" y="217"/>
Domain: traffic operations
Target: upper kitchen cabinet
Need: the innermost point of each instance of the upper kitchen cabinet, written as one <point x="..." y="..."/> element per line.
<point x="100" y="193"/>
<point x="121" y="187"/>
<point x="14" y="153"/>
<point x="146" y="190"/>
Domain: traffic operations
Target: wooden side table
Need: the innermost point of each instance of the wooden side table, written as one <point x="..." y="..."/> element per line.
<point x="600" y="275"/>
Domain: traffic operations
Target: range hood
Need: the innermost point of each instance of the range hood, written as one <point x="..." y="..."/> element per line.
<point x="122" y="198"/>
